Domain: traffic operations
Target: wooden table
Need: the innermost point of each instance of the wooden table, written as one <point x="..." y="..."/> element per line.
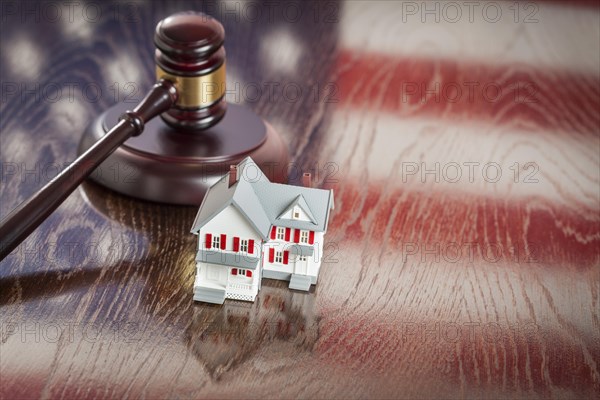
<point x="463" y="255"/>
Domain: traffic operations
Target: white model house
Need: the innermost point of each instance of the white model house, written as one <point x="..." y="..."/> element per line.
<point x="249" y="228"/>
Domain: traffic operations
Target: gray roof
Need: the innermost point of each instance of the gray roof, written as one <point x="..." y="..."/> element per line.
<point x="220" y="195"/>
<point x="301" y="250"/>
<point x="227" y="258"/>
<point x="263" y="202"/>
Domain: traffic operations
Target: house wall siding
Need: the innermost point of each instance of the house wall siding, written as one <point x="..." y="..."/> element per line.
<point x="232" y="223"/>
<point x="313" y="262"/>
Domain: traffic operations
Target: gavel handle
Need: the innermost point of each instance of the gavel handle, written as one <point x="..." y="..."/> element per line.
<point x="32" y="212"/>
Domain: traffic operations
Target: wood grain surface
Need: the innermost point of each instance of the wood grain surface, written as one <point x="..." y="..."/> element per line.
<point x="463" y="255"/>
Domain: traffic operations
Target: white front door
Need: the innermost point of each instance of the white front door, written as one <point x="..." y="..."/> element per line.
<point x="216" y="274"/>
<point x="301" y="265"/>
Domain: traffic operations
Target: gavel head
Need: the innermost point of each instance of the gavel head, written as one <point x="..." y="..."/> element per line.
<point x="190" y="53"/>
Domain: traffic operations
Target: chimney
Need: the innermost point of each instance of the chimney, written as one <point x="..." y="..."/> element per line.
<point x="232" y="175"/>
<point x="306" y="180"/>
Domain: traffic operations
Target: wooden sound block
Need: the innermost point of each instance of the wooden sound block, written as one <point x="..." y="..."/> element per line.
<point x="173" y="166"/>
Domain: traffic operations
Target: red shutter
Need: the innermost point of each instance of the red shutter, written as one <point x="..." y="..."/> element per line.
<point x="233" y="271"/>
<point x="273" y="230"/>
<point x="249" y="274"/>
<point x="271" y="255"/>
<point x="208" y="243"/>
<point x="297" y="236"/>
<point x="286" y="256"/>
<point x="223" y="241"/>
<point x="236" y="243"/>
<point x="311" y="237"/>
<point x="287" y="234"/>
<point x="251" y="246"/>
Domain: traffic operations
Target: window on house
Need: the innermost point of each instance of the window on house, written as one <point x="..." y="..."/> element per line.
<point x="216" y="242"/>
<point x="302" y="258"/>
<point x="303" y="236"/>
<point x="296" y="214"/>
<point x="280" y="233"/>
<point x="244" y="245"/>
<point x="279" y="257"/>
<point x="241" y="272"/>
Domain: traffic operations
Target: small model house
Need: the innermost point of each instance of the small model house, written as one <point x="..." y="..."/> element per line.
<point x="249" y="228"/>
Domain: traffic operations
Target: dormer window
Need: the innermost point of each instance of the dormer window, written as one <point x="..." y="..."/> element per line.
<point x="298" y="210"/>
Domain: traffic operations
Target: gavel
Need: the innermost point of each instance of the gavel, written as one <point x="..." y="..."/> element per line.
<point x="180" y="155"/>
